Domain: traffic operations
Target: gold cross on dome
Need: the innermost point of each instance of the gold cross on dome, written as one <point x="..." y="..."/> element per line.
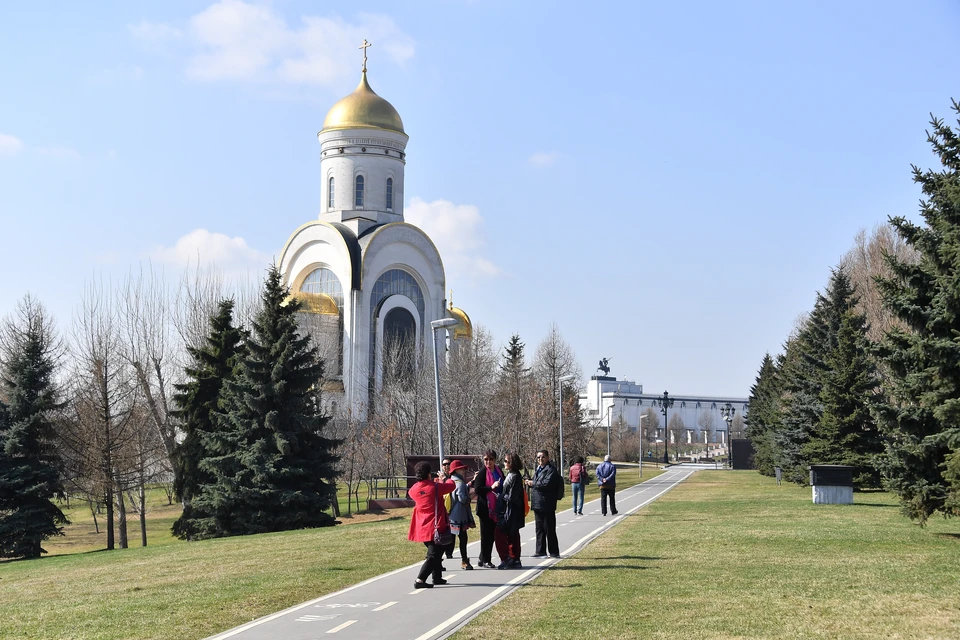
<point x="364" y="46"/>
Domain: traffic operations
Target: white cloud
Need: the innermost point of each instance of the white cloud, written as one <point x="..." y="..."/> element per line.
<point x="202" y="247"/>
<point x="60" y="153"/>
<point x="543" y="158"/>
<point x="155" y="37"/>
<point x="10" y="145"/>
<point x="235" y="40"/>
<point x="457" y="230"/>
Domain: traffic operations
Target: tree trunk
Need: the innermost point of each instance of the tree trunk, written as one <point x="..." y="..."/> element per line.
<point x="110" y="532"/>
<point x="143" y="515"/>
<point x="122" y="520"/>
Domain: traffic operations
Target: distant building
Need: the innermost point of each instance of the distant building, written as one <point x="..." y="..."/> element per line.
<point x="607" y="401"/>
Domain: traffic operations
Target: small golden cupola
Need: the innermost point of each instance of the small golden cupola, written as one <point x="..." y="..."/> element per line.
<point x="463" y="329"/>
<point x="363" y="109"/>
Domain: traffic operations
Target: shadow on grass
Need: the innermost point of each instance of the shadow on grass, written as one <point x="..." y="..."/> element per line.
<point x="953" y="536"/>
<point x="865" y="504"/>
<point x="645" y="558"/>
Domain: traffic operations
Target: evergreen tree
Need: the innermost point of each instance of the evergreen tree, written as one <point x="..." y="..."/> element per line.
<point x="272" y="468"/>
<point x="803" y="372"/>
<point x="921" y="421"/>
<point x="197" y="405"/>
<point x="765" y="418"/>
<point x="513" y="382"/>
<point x="29" y="465"/>
<point x="847" y="433"/>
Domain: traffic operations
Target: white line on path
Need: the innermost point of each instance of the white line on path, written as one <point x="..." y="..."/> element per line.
<point x="384" y="606"/>
<point x="343" y="626"/>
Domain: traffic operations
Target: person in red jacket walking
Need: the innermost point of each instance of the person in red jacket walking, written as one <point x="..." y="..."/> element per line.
<point x="429" y="515"/>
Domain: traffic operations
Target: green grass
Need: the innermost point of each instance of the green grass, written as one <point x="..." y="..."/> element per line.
<point x="731" y="555"/>
<point x="726" y="555"/>
<point x="192" y="590"/>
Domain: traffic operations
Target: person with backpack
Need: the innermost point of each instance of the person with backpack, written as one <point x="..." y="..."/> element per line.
<point x="578" y="480"/>
<point x="546" y="488"/>
<point x="607" y="479"/>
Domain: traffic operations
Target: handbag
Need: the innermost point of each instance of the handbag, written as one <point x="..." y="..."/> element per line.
<point x="445" y="538"/>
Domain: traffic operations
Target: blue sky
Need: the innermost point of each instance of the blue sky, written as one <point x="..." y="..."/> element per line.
<point x="669" y="183"/>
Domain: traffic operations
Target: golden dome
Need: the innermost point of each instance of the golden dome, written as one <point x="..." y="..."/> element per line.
<point x="463" y="328"/>
<point x="363" y="109"/>
<point x="316" y="303"/>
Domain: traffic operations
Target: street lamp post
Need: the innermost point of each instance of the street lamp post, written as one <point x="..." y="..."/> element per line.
<point x="561" y="380"/>
<point x="665" y="403"/>
<point x="728" y="411"/>
<point x="606" y="416"/>
<point x="443" y="323"/>
<point x="640" y="433"/>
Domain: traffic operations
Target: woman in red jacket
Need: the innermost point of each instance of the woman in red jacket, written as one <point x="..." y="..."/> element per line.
<point x="429" y="515"/>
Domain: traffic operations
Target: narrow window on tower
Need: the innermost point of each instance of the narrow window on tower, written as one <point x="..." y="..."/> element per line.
<point x="330" y="193"/>
<point x="389" y="194"/>
<point x="358" y="199"/>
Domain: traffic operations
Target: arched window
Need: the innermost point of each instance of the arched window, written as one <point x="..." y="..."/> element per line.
<point x="330" y="193"/>
<point x="389" y="194"/>
<point x="358" y="197"/>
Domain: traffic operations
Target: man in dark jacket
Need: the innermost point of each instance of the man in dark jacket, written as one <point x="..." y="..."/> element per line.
<point x="543" y="501"/>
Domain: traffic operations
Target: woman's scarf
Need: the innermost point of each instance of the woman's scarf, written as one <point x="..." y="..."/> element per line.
<point x="492" y="476"/>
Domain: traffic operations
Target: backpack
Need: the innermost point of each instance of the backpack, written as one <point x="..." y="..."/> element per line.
<point x="561" y="485"/>
<point x="575" y="473"/>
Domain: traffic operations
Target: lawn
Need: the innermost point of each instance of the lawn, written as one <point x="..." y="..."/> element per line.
<point x="732" y="555"/>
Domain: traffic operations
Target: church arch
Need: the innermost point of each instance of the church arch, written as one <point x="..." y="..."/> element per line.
<point x="389" y="202"/>
<point x="393" y="288"/>
<point x="331" y="190"/>
<point x="325" y="325"/>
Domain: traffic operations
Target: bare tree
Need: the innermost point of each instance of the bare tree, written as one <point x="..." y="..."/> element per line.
<point x="678" y="431"/>
<point x="865" y="261"/>
<point x="468" y="381"/>
<point x="104" y="406"/>
<point x="706" y="421"/>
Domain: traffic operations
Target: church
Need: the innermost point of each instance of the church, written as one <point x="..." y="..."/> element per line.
<point x="368" y="282"/>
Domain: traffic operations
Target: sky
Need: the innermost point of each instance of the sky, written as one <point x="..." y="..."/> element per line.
<point x="669" y="184"/>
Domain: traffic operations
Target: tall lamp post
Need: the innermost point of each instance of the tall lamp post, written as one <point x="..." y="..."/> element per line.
<point x="640" y="433"/>
<point x="728" y="411"/>
<point x="443" y="323"/>
<point x="561" y="380"/>
<point x="607" y="418"/>
<point x="665" y="403"/>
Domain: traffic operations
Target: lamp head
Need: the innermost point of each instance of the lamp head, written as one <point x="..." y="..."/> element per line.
<point x="443" y="323"/>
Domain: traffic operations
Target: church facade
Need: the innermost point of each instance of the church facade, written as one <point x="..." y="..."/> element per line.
<point x="370" y="284"/>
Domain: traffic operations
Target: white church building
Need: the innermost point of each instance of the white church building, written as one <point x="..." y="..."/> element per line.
<point x="366" y="278"/>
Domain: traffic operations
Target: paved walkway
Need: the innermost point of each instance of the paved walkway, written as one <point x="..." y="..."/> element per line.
<point x="387" y="607"/>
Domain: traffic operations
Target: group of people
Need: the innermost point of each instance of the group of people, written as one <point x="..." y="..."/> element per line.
<point x="501" y="502"/>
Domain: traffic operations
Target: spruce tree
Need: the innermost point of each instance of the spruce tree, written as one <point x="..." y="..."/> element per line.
<point x="29" y="465"/>
<point x="765" y="419"/>
<point x="197" y="405"/>
<point x="272" y="467"/>
<point x="921" y="421"/>
<point x="845" y="432"/>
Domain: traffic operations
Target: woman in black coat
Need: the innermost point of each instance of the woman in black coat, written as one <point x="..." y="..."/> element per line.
<point x="487" y="484"/>
<point x="508" y="529"/>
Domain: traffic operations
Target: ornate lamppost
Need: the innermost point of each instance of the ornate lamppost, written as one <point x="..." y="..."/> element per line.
<point x="728" y="411"/>
<point x="665" y="403"/>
